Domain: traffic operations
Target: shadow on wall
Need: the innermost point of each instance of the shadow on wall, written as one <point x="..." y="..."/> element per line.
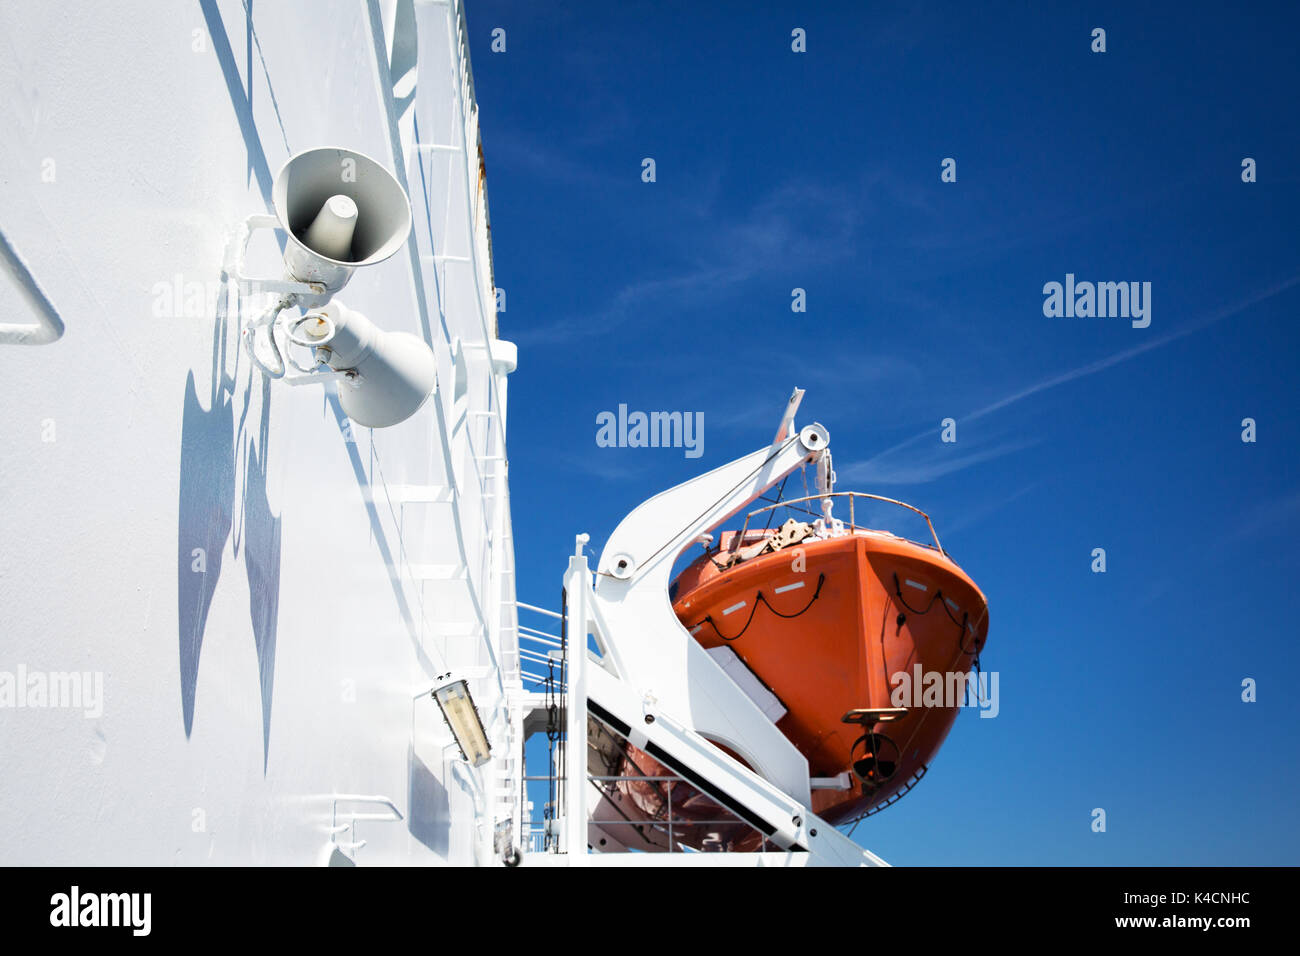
<point x="429" y="815"/>
<point x="210" y="447"/>
<point x="262" y="565"/>
<point x="207" y="497"/>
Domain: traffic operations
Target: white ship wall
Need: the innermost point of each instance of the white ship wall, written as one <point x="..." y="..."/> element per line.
<point x="261" y="587"/>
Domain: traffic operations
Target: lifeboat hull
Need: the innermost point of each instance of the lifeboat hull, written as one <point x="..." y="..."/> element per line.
<point x="865" y="639"/>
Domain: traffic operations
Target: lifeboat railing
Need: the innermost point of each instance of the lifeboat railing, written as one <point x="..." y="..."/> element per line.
<point x="853" y="525"/>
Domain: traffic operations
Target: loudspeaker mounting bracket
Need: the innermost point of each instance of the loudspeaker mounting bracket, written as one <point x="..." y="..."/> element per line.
<point x="289" y="293"/>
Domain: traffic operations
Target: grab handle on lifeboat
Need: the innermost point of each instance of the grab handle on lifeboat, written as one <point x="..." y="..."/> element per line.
<point x="877" y="715"/>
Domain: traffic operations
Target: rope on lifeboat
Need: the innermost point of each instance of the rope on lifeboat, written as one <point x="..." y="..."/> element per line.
<point x="770" y="515"/>
<point x="973" y="652"/>
<point x="779" y="493"/>
<point x="759" y="598"/>
<point x="938" y="596"/>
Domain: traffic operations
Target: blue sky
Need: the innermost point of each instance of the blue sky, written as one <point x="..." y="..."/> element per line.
<point x="821" y="170"/>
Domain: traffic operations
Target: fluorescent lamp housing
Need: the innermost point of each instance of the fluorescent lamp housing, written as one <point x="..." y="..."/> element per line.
<point x="462" y="717"/>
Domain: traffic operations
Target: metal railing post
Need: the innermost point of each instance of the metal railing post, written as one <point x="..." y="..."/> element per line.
<point x="671" y="845"/>
<point x="577" y="585"/>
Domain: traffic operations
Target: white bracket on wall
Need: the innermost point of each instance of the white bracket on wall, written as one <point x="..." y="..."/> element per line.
<point x="237" y="253"/>
<point x="356" y="807"/>
<point x="46" y="325"/>
<point x="304" y="331"/>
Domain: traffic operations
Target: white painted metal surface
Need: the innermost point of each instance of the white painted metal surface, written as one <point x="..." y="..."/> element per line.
<point x="748" y="681"/>
<point x="242" y="568"/>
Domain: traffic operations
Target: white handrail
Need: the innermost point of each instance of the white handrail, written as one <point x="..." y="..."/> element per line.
<point x="48" y="327"/>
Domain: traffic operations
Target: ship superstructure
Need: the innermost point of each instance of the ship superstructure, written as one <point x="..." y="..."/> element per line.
<point x="224" y="603"/>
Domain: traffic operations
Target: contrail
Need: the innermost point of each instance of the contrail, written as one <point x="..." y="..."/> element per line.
<point x="1136" y="350"/>
<point x="1104" y="363"/>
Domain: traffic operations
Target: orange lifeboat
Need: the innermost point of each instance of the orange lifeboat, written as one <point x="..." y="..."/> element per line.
<point x="865" y="639"/>
<point x="856" y="642"/>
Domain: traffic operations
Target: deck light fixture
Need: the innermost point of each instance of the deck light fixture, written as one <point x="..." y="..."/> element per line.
<point x="462" y="717"/>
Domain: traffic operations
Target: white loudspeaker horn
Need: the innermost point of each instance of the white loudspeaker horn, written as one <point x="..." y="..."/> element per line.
<point x="391" y="374"/>
<point x="341" y="210"/>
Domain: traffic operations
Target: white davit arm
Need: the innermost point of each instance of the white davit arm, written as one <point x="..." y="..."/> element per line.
<point x="650" y="648"/>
